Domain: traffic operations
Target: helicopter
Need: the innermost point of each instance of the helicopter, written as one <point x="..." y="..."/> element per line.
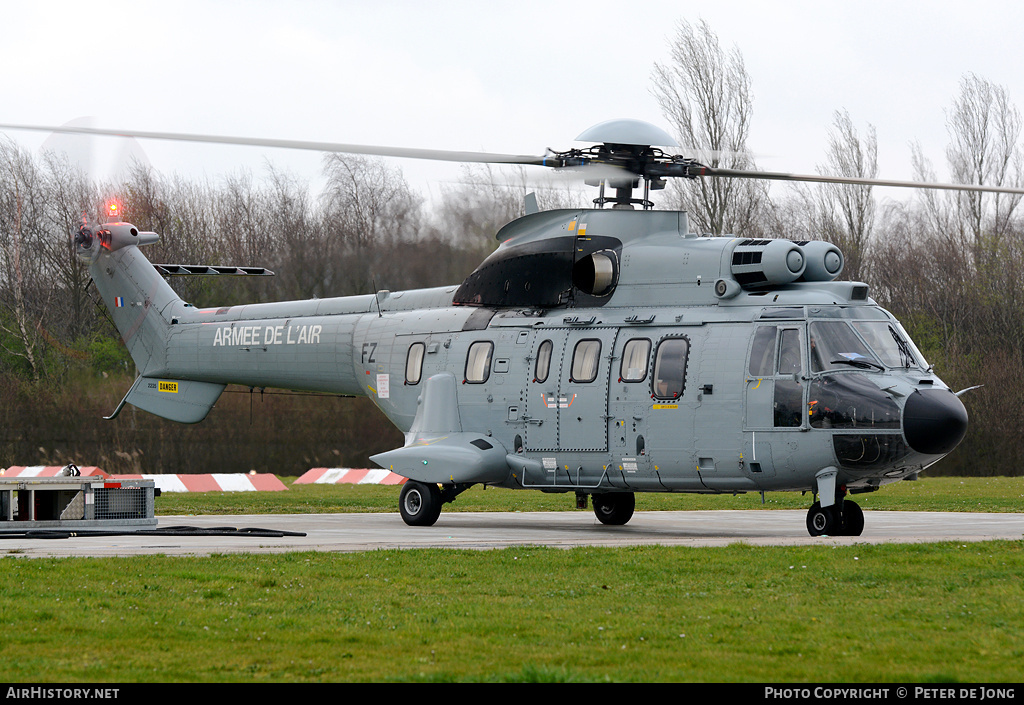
<point x="597" y="351"/>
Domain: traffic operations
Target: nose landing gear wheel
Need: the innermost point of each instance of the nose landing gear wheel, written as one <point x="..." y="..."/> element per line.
<point x="821" y="520"/>
<point x="833" y="521"/>
<point x="419" y="503"/>
<point x="614" y="508"/>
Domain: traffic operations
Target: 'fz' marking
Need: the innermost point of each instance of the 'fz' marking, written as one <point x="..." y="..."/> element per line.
<point x="368" y="353"/>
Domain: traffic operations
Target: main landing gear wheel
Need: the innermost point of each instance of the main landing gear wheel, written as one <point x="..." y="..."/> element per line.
<point x="419" y="503"/>
<point x="614" y="508"/>
<point x="832" y="521"/>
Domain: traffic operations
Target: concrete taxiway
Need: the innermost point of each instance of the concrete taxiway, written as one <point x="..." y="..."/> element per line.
<point x="474" y="530"/>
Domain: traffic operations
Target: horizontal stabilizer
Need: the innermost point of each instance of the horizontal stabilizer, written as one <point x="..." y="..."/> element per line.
<point x="453" y="459"/>
<point x="178" y="270"/>
<point x="184" y="401"/>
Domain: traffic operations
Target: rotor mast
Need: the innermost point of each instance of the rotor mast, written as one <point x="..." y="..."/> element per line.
<point x="626" y="144"/>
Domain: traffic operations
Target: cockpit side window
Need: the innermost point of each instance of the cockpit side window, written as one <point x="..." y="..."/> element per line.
<point x="789" y="352"/>
<point x="789" y="393"/>
<point x="762" y="352"/>
<point x="775" y="387"/>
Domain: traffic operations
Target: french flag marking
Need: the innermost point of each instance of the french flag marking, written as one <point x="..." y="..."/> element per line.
<point x="118" y="301"/>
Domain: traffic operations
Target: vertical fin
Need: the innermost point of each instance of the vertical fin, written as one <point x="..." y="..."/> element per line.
<point x="141" y="305"/>
<point x="530" y="204"/>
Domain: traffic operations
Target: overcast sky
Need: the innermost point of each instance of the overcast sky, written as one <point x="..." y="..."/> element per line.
<point x="512" y="77"/>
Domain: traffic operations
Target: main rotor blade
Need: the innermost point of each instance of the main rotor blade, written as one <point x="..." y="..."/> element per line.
<point x="559" y="177"/>
<point x="850" y="180"/>
<point x="334" y="147"/>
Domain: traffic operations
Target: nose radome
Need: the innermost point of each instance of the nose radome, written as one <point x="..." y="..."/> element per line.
<point x="934" y="421"/>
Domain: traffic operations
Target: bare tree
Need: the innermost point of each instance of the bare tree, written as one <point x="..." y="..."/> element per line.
<point x="938" y="212"/>
<point x="704" y="92"/>
<point x="845" y="214"/>
<point x="472" y="211"/>
<point x="369" y="212"/>
<point x="25" y="294"/>
<point x="958" y="258"/>
<point x="242" y="219"/>
<point x="486" y="199"/>
<point x="369" y="201"/>
<point x="984" y="128"/>
<point x="69" y="195"/>
<point x="971" y="241"/>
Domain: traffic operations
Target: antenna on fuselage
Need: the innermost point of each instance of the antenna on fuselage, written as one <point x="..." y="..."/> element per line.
<point x="376" y="298"/>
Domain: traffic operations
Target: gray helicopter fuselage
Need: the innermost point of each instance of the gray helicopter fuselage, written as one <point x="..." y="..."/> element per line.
<point x="601" y="351"/>
<point x="595" y="351"/>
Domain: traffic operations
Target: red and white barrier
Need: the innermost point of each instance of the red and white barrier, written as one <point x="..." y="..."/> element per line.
<point x="47" y="471"/>
<point x="216" y="482"/>
<point x="226" y="482"/>
<point x="349" y="476"/>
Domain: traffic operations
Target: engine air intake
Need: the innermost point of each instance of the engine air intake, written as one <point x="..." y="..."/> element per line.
<point x="757" y="263"/>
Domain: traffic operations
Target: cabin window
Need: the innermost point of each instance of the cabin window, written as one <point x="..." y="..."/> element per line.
<point x="585" y="359"/>
<point x="634" y="360"/>
<point x="414" y="363"/>
<point x="478" y="362"/>
<point x="670" y="368"/>
<point x="540" y="373"/>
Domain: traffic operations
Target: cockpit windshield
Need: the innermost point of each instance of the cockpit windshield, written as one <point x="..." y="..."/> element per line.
<point x="836" y="345"/>
<point x="891" y="345"/>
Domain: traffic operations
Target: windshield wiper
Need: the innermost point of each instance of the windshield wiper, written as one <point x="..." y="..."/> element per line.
<point x="906" y="356"/>
<point x="863" y="363"/>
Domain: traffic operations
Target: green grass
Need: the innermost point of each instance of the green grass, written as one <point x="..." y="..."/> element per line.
<point x="992" y="494"/>
<point x="868" y="613"/>
<point x="898" y="613"/>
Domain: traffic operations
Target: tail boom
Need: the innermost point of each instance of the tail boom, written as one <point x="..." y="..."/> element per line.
<point x="185" y="356"/>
